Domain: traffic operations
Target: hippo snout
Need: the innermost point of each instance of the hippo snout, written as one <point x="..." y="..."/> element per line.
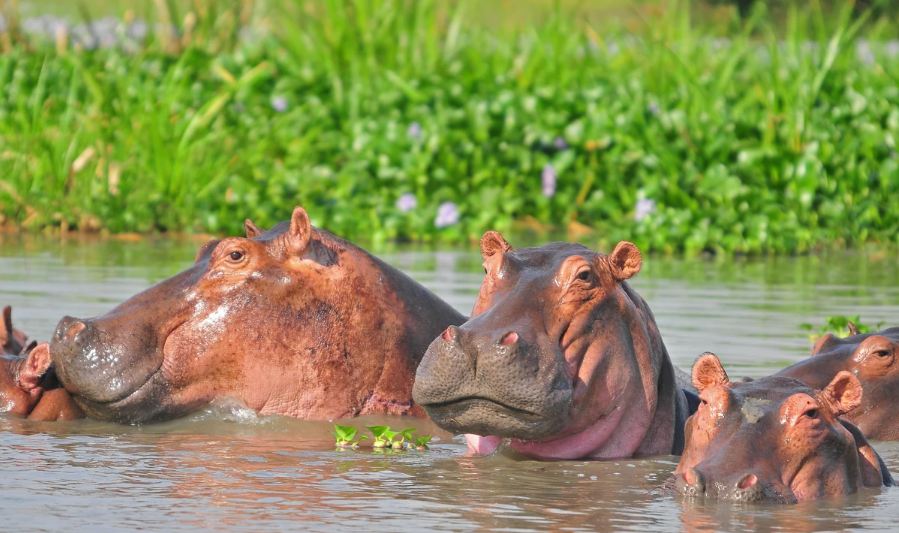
<point x="494" y="383"/>
<point x="744" y="488"/>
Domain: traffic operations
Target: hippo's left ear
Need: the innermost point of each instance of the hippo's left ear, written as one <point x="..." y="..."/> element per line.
<point x="843" y="393"/>
<point x="251" y="229"/>
<point x="300" y="231"/>
<point x="625" y="260"/>
<point x="492" y="243"/>
<point x="36" y="365"/>
<point x="708" y="372"/>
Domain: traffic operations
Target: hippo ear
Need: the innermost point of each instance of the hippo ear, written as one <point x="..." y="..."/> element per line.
<point x="300" y="231"/>
<point x="35" y="366"/>
<point x="251" y="229"/>
<point x="625" y="260"/>
<point x="853" y="329"/>
<point x="824" y="343"/>
<point x="492" y="243"/>
<point x="843" y="393"/>
<point x="708" y="372"/>
<point x="6" y="327"/>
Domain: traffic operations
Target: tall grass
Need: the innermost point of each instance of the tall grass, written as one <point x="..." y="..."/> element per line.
<point x="771" y="141"/>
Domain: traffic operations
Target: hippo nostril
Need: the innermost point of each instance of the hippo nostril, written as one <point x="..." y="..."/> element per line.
<point x="747" y="482"/>
<point x="694" y="484"/>
<point x="509" y="339"/>
<point x="449" y="334"/>
<point x="74" y="329"/>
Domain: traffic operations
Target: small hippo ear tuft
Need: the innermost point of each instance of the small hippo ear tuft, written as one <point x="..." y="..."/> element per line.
<point x="492" y="242"/>
<point x="6" y="326"/>
<point x="251" y="229"/>
<point x="853" y="329"/>
<point x="708" y="372"/>
<point x="843" y="393"/>
<point x="36" y="365"/>
<point x="625" y="260"/>
<point x="824" y="343"/>
<point x="300" y="231"/>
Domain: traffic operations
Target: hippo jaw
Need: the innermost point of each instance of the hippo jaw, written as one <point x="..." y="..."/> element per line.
<point x="531" y="400"/>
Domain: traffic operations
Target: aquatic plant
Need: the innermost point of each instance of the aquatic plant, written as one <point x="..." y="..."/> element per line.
<point x="383" y="438"/>
<point x="840" y="326"/>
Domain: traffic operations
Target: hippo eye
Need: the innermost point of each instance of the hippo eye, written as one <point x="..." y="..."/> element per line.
<point x="585" y="275"/>
<point x="882" y="352"/>
<point x="812" y="414"/>
<point x="235" y="256"/>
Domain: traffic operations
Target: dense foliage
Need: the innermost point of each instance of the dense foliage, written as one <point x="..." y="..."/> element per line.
<point x="397" y="120"/>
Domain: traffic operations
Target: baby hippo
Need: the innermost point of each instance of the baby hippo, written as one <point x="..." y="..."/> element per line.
<point x="774" y="439"/>
<point x="28" y="385"/>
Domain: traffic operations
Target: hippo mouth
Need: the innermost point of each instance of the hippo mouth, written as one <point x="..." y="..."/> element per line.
<point x="138" y="405"/>
<point x="480" y="415"/>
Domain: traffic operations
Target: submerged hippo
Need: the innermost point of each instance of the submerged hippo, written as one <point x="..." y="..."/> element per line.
<point x="560" y="355"/>
<point x="291" y="321"/>
<point x="775" y="439"/>
<point x="872" y="358"/>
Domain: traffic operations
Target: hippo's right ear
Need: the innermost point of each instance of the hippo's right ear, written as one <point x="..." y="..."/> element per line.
<point x="625" y="260"/>
<point x="492" y="242"/>
<point x="300" y="231"/>
<point x="6" y="327"/>
<point x="36" y="365"/>
<point x="251" y="229"/>
<point x="824" y="343"/>
<point x="708" y="372"/>
<point x="843" y="393"/>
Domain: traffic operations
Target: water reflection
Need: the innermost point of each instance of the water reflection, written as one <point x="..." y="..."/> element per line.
<point x="245" y="473"/>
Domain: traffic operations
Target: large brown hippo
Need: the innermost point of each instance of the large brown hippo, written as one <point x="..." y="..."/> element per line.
<point x="872" y="358"/>
<point x="28" y="386"/>
<point x="560" y="355"/>
<point x="291" y="321"/>
<point x="775" y="439"/>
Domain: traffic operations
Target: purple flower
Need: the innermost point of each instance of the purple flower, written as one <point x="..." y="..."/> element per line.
<point x="653" y="108"/>
<point x="279" y="104"/>
<point x="406" y="202"/>
<point x="644" y="208"/>
<point x="414" y="131"/>
<point x="560" y="144"/>
<point x="447" y="215"/>
<point x="548" y="181"/>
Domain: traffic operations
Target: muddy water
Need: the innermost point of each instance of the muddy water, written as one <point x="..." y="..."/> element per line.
<point x="225" y="469"/>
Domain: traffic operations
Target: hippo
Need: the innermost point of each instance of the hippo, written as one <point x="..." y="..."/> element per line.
<point x="290" y="321"/>
<point x="775" y="439"/>
<point x="561" y="356"/>
<point x="28" y="385"/>
<point x="871" y="357"/>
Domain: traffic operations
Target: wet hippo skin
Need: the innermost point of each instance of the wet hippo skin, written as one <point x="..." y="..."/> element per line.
<point x="871" y="357"/>
<point x="291" y="321"/>
<point x="560" y="356"/>
<point x="775" y="439"/>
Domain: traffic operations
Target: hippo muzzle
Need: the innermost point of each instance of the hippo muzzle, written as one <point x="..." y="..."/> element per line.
<point x="504" y="386"/>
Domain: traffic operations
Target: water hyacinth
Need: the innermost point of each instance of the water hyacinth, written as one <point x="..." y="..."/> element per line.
<point x="414" y="131"/>
<point x="560" y="144"/>
<point x="644" y="208"/>
<point x="406" y="202"/>
<point x="279" y="104"/>
<point x="548" y="181"/>
<point x="447" y="215"/>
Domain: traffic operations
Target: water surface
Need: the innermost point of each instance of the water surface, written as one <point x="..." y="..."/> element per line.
<point x="226" y="469"/>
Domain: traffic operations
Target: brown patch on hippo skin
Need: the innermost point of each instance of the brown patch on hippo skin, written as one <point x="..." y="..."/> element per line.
<point x="560" y="355"/>
<point x="292" y="321"/>
<point x="871" y="357"/>
<point x="774" y="439"/>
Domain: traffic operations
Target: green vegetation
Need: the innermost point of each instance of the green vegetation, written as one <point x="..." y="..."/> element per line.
<point x="402" y="120"/>
<point x="841" y="326"/>
<point x="384" y="438"/>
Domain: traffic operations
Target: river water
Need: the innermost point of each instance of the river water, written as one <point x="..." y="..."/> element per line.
<point x="226" y="469"/>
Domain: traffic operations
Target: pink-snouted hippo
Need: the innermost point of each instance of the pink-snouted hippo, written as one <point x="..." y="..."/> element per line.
<point x="560" y="355"/>
<point x="873" y="359"/>
<point x="291" y="321"/>
<point x="774" y="439"/>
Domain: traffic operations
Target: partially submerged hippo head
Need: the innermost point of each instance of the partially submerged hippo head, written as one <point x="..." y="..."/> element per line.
<point x="290" y="321"/>
<point x="872" y="358"/>
<point x="560" y="355"/>
<point x="28" y="387"/>
<point x="774" y="439"/>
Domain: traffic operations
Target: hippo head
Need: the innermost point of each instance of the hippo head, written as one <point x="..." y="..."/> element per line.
<point x="560" y="356"/>
<point x="23" y="379"/>
<point x="774" y="439"/>
<point x="872" y="358"/>
<point x="292" y="321"/>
